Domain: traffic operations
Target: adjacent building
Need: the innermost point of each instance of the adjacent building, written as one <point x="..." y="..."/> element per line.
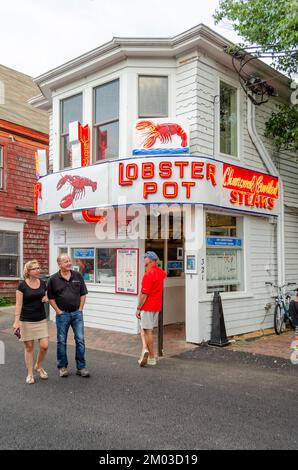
<point x="23" y="130"/>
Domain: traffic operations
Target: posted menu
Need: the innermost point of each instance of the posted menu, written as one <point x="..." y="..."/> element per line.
<point x="127" y="271"/>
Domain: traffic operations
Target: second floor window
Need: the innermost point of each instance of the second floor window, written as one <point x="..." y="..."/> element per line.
<point x="106" y="116"/>
<point x="1" y="168"/>
<point x="228" y="120"/>
<point x="153" y="96"/>
<point x="71" y="110"/>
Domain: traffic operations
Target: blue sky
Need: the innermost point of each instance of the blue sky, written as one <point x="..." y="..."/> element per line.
<point x="38" y="35"/>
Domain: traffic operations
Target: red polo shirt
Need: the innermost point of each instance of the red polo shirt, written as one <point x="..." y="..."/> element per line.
<point x="152" y="285"/>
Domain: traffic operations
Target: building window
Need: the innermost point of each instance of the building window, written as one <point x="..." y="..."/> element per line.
<point x="83" y="261"/>
<point x="1" y="168"/>
<point x="9" y="254"/>
<point x="228" y="120"/>
<point x="71" y="110"/>
<point x="153" y="96"/>
<point x="165" y="237"/>
<point x="106" y="127"/>
<point x="106" y="266"/>
<point x="97" y="265"/>
<point x="62" y="250"/>
<point x="224" y="253"/>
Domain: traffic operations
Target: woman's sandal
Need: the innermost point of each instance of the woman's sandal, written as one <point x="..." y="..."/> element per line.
<point x="30" y="379"/>
<point x="42" y="373"/>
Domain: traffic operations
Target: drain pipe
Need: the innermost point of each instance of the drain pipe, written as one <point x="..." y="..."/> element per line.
<point x="271" y="168"/>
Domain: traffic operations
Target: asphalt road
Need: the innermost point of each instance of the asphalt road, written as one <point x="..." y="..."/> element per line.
<point x="207" y="399"/>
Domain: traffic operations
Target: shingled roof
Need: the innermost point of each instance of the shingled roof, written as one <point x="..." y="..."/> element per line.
<point x="16" y="89"/>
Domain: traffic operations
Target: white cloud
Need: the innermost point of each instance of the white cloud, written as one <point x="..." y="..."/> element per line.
<point x="37" y="35"/>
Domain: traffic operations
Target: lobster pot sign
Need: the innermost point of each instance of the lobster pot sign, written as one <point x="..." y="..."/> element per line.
<point x="159" y="179"/>
<point x="160" y="137"/>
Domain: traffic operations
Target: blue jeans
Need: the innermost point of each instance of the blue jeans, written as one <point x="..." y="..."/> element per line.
<point x="63" y="322"/>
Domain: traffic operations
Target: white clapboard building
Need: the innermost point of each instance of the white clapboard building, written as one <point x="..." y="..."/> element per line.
<point x="165" y="124"/>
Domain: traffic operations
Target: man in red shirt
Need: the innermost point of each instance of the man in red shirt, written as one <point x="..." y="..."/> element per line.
<point x="149" y="305"/>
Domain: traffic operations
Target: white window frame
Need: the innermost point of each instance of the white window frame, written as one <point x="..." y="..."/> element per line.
<point x="236" y="85"/>
<point x="241" y="226"/>
<point x="128" y="102"/>
<point x="16" y="226"/>
<point x="157" y="75"/>
<point x="86" y="89"/>
<point x="63" y="134"/>
<point x="168" y="70"/>
<point x="95" y="125"/>
<point x="92" y="284"/>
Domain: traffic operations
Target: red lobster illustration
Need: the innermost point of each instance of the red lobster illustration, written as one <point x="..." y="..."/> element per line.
<point x="78" y="184"/>
<point x="163" y="132"/>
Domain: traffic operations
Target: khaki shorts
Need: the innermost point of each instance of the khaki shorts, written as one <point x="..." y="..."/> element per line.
<point x="148" y="320"/>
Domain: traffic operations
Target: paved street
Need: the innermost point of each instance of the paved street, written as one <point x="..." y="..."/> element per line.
<point x="203" y="399"/>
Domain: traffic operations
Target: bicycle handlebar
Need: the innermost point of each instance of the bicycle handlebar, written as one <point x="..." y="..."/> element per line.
<point x="284" y="285"/>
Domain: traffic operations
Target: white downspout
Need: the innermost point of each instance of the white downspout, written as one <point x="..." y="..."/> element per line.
<point x="271" y="168"/>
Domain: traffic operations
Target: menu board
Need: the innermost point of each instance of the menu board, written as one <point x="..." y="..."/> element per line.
<point x="127" y="271"/>
<point x="222" y="267"/>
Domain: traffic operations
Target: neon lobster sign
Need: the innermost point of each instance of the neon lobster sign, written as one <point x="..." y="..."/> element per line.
<point x="84" y="138"/>
<point x="89" y="215"/>
<point x="40" y="170"/>
<point x="79" y="138"/>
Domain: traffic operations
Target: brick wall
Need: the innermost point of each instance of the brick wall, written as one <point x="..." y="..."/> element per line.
<point x="16" y="200"/>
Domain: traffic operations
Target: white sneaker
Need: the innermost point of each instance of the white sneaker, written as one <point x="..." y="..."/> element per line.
<point x="151" y="361"/>
<point x="144" y="358"/>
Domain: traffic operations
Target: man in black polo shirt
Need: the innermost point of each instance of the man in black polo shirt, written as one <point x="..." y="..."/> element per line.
<point x="67" y="294"/>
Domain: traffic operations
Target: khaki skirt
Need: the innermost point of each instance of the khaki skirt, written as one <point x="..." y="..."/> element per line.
<point x="34" y="330"/>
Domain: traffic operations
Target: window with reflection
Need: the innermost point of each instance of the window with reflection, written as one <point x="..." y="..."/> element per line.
<point x="106" y="266"/>
<point x="83" y="262"/>
<point x="97" y="265"/>
<point x="228" y="119"/>
<point x="106" y="118"/>
<point x="71" y="110"/>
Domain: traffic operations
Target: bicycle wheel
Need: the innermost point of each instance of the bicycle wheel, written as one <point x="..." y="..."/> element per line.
<point x="279" y="323"/>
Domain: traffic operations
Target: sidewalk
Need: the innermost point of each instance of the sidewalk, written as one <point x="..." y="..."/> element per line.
<point x="174" y="340"/>
<point x="115" y="342"/>
<point x="268" y="345"/>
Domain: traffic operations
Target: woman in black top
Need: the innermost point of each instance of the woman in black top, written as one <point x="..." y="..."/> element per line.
<point x="30" y="318"/>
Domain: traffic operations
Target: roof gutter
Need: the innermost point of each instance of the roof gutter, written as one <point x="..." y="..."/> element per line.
<point x="271" y="168"/>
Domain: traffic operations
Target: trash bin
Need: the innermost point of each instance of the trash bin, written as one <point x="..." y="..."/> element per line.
<point x="45" y="278"/>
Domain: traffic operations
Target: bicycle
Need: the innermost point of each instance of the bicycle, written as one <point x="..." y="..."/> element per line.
<point x="282" y="317"/>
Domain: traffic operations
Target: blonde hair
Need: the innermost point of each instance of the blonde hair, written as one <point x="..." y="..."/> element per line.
<point x="28" y="266"/>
